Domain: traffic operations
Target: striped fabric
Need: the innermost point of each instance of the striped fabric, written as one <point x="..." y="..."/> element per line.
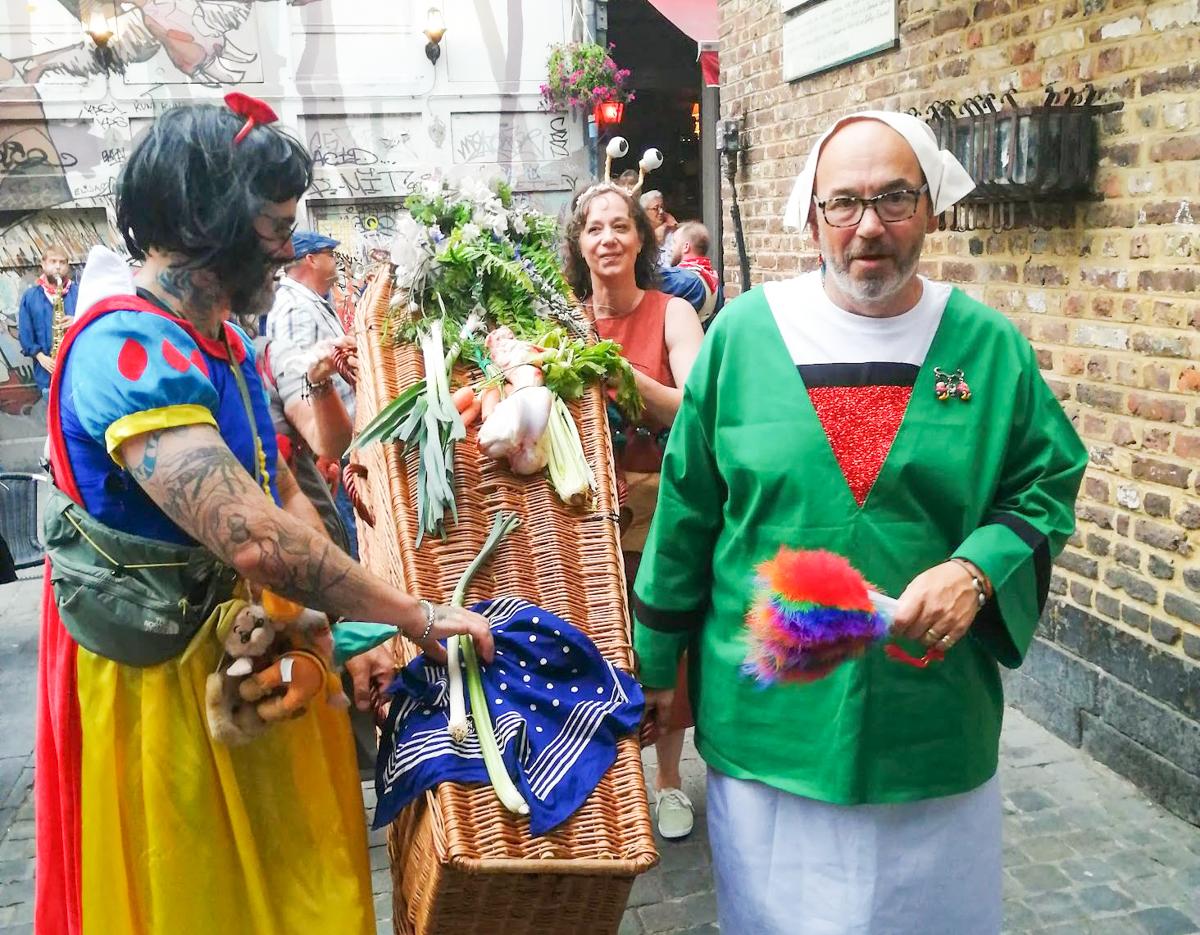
<point x="297" y="322"/>
<point x="557" y="708"/>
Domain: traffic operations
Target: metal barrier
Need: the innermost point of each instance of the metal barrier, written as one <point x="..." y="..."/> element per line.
<point x="21" y="498"/>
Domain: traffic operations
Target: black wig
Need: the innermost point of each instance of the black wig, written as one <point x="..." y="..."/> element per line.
<point x="188" y="189"/>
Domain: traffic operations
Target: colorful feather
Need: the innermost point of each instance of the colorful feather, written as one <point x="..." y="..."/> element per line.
<point x="812" y="610"/>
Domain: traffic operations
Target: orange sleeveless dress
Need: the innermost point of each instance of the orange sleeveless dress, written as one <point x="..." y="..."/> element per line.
<point x="642" y="335"/>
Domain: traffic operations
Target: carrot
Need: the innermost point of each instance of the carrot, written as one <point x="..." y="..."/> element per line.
<point x="463" y="398"/>
<point x="471" y="414"/>
<point x="489" y="400"/>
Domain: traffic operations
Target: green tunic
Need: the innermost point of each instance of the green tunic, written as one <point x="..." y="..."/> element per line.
<point x="749" y="468"/>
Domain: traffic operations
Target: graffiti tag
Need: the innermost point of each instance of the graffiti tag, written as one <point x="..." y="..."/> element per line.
<point x="349" y="156"/>
<point x="14" y="156"/>
<point x="559" y="136"/>
<point x="106" y="115"/>
<point x="524" y="146"/>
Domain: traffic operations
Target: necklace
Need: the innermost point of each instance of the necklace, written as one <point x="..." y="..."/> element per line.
<point x="612" y="309"/>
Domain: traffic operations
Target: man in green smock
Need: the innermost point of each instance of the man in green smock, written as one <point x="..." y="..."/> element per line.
<point x="869" y="411"/>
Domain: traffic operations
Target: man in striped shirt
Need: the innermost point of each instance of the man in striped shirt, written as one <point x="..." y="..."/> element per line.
<point x="302" y="317"/>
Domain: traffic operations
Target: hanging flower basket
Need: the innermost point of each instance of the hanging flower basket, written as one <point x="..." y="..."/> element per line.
<point x="582" y="75"/>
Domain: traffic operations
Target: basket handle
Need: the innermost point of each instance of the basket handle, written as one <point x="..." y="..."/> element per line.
<point x="351" y="474"/>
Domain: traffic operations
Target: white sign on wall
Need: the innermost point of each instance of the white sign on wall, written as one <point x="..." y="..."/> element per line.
<point x="830" y="33"/>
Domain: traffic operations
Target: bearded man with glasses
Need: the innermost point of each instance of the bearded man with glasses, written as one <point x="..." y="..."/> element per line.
<point x="868" y="411"/>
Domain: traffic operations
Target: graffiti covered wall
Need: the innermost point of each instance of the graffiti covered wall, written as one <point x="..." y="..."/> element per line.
<point x="350" y="77"/>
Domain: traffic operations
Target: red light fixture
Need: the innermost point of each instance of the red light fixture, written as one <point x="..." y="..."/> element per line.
<point x="609" y="112"/>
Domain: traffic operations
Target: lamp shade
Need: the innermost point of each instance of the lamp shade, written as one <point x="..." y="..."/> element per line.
<point x="99" y="28"/>
<point x="609" y="112"/>
<point x="435" y="25"/>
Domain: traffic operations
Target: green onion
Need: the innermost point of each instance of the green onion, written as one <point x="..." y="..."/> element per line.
<point x="457" y="726"/>
<point x="506" y="791"/>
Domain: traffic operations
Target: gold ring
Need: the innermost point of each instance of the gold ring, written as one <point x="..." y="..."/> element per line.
<point x="945" y="642"/>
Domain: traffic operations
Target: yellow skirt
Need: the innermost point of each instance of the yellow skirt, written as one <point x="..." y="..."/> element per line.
<point x="182" y="834"/>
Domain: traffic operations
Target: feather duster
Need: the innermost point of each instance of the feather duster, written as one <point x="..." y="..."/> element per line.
<point x="812" y="610"/>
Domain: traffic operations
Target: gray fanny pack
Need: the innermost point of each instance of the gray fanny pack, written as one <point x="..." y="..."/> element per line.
<point x="134" y="600"/>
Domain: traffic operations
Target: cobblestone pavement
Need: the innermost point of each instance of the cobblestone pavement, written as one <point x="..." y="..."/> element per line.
<point x="1085" y="852"/>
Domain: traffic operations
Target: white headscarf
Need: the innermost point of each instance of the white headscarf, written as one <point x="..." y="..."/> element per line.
<point x="948" y="180"/>
<point x="106" y="274"/>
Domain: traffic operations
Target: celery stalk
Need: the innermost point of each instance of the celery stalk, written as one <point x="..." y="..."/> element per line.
<point x="569" y="470"/>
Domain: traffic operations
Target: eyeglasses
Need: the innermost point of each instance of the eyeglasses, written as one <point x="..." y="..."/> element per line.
<point x="890" y="207"/>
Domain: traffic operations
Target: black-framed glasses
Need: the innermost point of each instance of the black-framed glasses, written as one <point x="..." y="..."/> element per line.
<point x="848" y="211"/>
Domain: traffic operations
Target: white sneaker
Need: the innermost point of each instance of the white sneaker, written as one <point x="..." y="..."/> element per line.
<point x="675" y="813"/>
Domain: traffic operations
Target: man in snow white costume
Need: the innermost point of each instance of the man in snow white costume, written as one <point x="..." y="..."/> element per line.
<point x="868" y="411"/>
<point x="169" y="489"/>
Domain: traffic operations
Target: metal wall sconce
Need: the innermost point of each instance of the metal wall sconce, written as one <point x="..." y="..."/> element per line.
<point x="435" y="28"/>
<point x="1030" y="161"/>
<point x="100" y="31"/>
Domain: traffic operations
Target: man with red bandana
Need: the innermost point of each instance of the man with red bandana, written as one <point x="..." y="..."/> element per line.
<point x="35" y="318"/>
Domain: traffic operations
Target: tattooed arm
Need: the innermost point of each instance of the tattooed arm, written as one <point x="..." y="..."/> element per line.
<point x="193" y="477"/>
<point x="294" y="500"/>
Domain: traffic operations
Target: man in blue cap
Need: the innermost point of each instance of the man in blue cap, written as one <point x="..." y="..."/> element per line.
<point x="300" y="327"/>
<point x="300" y="319"/>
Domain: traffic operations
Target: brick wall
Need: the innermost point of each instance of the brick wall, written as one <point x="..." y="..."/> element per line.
<point x="1111" y="302"/>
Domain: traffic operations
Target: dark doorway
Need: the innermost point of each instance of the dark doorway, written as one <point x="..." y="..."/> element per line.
<point x="665" y="115"/>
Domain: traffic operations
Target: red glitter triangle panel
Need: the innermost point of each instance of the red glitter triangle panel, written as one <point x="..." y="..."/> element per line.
<point x="861" y="423"/>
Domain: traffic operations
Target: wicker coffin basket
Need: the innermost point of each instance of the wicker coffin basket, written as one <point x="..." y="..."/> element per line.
<point x="460" y="862"/>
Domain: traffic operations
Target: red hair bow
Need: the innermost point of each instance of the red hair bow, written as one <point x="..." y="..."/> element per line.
<point x="254" y="110"/>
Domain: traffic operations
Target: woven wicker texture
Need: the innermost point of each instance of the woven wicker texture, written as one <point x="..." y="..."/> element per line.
<point x="460" y="862"/>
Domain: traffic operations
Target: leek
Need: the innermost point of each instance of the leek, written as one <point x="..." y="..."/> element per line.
<point x="423" y="417"/>
<point x="506" y="790"/>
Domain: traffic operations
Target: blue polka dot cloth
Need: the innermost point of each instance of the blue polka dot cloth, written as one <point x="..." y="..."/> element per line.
<point x="557" y="707"/>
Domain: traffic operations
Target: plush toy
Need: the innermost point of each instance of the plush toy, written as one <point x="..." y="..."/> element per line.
<point x="312" y="633"/>
<point x="247" y="635"/>
<point x="283" y="689"/>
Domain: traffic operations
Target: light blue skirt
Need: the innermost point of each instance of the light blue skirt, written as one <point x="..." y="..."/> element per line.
<point x="787" y="865"/>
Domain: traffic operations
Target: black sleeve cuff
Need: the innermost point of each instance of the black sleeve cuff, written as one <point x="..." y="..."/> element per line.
<point x="1038" y="544"/>
<point x="668" y="621"/>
